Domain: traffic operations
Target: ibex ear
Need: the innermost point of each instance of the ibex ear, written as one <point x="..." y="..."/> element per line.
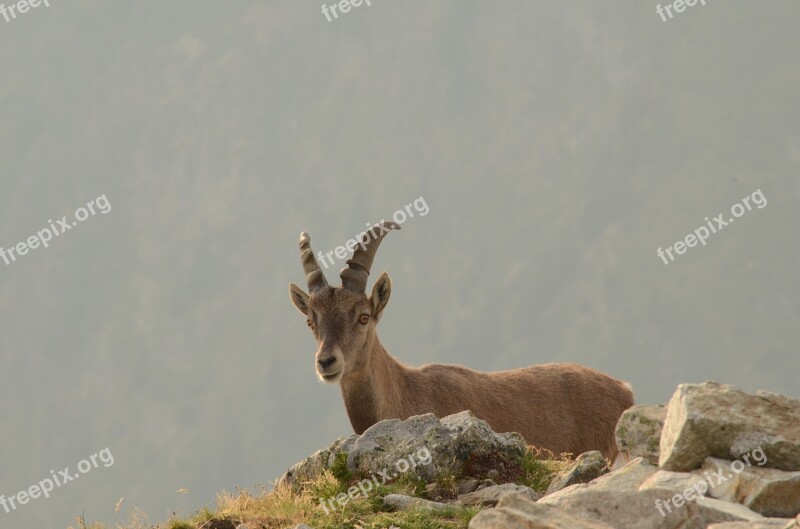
<point x="299" y="298"/>
<point x="380" y="295"/>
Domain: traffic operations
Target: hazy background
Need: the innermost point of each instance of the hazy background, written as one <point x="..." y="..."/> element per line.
<point x="556" y="144"/>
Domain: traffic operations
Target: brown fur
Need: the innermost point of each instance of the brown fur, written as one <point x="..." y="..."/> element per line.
<point x="559" y="407"/>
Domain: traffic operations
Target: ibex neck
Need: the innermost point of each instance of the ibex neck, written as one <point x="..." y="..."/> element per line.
<point x="372" y="393"/>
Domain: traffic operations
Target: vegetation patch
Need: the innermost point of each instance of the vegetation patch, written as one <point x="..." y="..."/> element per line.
<point x="309" y="503"/>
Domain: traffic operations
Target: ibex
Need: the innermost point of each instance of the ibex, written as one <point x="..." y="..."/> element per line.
<point x="564" y="408"/>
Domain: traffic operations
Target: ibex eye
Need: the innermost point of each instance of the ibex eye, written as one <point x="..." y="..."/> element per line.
<point x="308" y="322"/>
<point x="363" y="319"/>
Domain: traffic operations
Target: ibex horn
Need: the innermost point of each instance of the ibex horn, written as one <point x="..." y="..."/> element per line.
<point x="314" y="276"/>
<point x="354" y="277"/>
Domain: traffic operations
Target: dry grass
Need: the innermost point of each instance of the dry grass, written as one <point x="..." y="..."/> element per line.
<point x="283" y="507"/>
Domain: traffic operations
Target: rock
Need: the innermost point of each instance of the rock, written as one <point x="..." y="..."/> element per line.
<point x="482" y="484"/>
<point x="642" y="496"/>
<point x="638" y="431"/>
<point x="515" y="511"/>
<point x="422" y="446"/>
<point x="711" y="511"/>
<point x="640" y="509"/>
<point x="675" y="481"/>
<point x="402" y="503"/>
<point x="434" y="492"/>
<point x="466" y="486"/>
<point x="585" y="468"/>
<point x="438" y="491"/>
<point x="766" y="491"/>
<point x="489" y="496"/>
<point x="719" y="420"/>
<point x="766" y="523"/>
<point x="628" y="478"/>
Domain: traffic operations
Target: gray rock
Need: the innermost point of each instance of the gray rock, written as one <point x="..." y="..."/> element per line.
<point x="711" y="511"/>
<point x="438" y="491"/>
<point x="482" y="484"/>
<point x="766" y="523"/>
<point x="719" y="420"/>
<point x="628" y="478"/>
<point x="675" y="481"/>
<point x="631" y="496"/>
<point x="448" y="444"/>
<point x="515" y="511"/>
<point x="585" y="468"/>
<point x="626" y="509"/>
<point x="489" y="496"/>
<point x="766" y="491"/>
<point x="638" y="431"/>
<point x="402" y="503"/>
<point x="466" y="486"/>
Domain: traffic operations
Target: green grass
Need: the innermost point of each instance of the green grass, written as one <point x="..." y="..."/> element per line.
<point x="339" y="468"/>
<point x="539" y="468"/>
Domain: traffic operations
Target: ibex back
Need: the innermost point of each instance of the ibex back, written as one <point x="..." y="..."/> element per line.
<point x="558" y="407"/>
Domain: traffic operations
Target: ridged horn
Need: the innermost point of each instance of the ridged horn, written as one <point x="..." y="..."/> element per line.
<point x="315" y="279"/>
<point x="354" y="277"/>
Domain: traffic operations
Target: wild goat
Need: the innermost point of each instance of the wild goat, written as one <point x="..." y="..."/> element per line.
<point x="559" y="407"/>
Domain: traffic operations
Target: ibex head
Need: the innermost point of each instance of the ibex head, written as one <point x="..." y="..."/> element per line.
<point x="343" y="318"/>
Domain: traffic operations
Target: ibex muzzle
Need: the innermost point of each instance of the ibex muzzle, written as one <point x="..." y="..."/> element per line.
<point x="564" y="408"/>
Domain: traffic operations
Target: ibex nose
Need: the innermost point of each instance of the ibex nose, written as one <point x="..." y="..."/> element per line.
<point x="324" y="363"/>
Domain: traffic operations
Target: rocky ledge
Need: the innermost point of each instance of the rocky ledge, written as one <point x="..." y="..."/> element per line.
<point x="714" y="457"/>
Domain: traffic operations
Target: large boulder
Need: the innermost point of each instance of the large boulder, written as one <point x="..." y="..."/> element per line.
<point x="638" y="431"/>
<point x="642" y="496"/>
<point x="767" y="491"/>
<point x="719" y="420"/>
<point x="640" y="509"/>
<point x="423" y="447"/>
<point x="515" y="511"/>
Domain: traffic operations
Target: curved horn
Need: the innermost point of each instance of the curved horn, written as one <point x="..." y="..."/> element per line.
<point x="314" y="276"/>
<point x="354" y="277"/>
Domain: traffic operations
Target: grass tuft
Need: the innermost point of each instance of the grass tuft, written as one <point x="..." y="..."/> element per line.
<point x="539" y="467"/>
<point x="339" y="468"/>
